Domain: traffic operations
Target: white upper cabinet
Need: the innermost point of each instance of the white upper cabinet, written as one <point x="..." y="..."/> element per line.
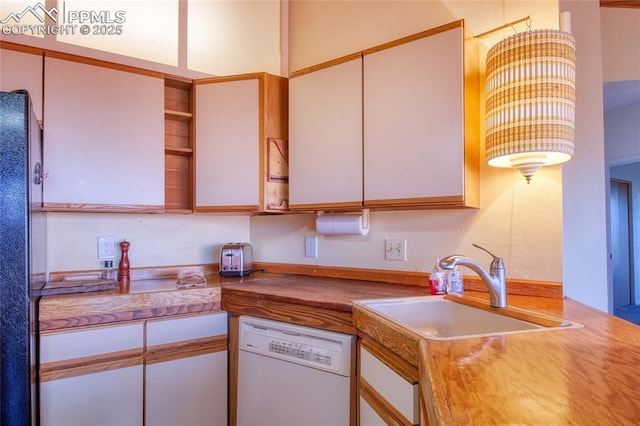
<point x="103" y="137"/>
<point x="414" y="121"/>
<point x="237" y="119"/>
<point x="22" y="70"/>
<point x="227" y="132"/>
<point x="325" y="131"/>
<point x="396" y="127"/>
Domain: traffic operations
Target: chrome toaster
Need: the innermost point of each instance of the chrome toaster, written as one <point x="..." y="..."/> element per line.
<point x="236" y="259"/>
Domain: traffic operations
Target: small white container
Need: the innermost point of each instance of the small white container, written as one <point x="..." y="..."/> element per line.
<point x="455" y="282"/>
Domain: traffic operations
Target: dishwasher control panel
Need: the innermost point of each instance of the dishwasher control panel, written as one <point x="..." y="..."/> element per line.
<point x="321" y="349"/>
<point x="300" y="351"/>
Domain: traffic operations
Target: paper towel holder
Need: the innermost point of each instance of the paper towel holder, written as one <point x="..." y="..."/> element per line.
<point x="365" y="217"/>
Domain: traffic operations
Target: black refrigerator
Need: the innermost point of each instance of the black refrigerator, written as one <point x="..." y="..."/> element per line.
<point x="22" y="257"/>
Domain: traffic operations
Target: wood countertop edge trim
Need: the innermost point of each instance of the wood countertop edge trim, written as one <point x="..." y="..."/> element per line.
<point x="297" y="313"/>
<point x="432" y="393"/>
<point x="98" y="319"/>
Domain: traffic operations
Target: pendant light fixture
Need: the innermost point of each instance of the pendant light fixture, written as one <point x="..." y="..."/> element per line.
<point x="530" y="99"/>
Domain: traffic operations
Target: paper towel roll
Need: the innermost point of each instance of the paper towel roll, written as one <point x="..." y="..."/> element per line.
<point x="340" y="224"/>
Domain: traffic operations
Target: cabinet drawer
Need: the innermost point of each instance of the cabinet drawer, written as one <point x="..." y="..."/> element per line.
<point x="160" y="332"/>
<point x="401" y="394"/>
<point x="90" y="342"/>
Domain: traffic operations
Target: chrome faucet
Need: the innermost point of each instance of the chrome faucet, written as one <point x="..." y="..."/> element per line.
<point x="495" y="279"/>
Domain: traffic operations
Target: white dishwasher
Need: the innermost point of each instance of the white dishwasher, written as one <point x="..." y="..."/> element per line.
<point x="292" y="375"/>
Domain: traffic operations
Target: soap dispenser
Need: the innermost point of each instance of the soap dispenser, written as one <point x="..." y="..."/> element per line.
<point x="437" y="280"/>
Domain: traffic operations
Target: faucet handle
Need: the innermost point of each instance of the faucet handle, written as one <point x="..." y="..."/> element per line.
<point x="484" y="249"/>
<point x="496" y="263"/>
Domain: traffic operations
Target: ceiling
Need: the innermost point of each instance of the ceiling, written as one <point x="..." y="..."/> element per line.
<point x="618" y="94"/>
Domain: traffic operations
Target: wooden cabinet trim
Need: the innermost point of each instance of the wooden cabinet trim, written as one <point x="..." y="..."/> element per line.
<point x="250" y="76"/>
<point x="21" y="48"/>
<point x="102" y="208"/>
<point x="407" y="203"/>
<point x="234" y="327"/>
<point x="185" y="349"/>
<point x="341" y="206"/>
<point x="416" y="36"/>
<point x="380" y="405"/>
<point x="401" y="342"/>
<point x="327" y="64"/>
<point x="404" y="369"/>
<point x="101" y="63"/>
<point x="252" y="208"/>
<point x="91" y="364"/>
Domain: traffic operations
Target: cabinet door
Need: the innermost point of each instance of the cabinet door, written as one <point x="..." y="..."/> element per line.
<point x="92" y="376"/>
<point x="186" y="372"/>
<point x="103" y="138"/>
<point x="227" y="148"/>
<point x="325" y="137"/>
<point x="399" y="397"/>
<point x="22" y="71"/>
<point x="414" y="121"/>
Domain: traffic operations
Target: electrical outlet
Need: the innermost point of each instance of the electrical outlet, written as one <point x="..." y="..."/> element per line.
<point x="106" y="247"/>
<point x="311" y="246"/>
<point x="395" y="250"/>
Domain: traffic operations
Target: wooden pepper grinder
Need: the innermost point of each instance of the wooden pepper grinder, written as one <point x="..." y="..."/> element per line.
<point x="123" y="267"/>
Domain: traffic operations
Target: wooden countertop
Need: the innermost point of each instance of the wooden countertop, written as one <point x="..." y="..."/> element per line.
<point x="329" y="293"/>
<point x="159" y="297"/>
<point x="584" y="376"/>
<point x="139" y="300"/>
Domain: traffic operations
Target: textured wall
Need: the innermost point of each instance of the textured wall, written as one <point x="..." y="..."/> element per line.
<point x="520" y="222"/>
<point x="156" y="240"/>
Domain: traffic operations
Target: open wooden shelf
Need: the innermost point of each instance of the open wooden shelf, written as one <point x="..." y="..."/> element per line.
<point x="178" y="117"/>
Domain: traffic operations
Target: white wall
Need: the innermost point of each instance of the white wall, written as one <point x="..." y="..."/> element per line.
<point x="620" y="43"/>
<point x="622" y="134"/>
<point x="189" y="38"/>
<point x="156" y="240"/>
<point x="517" y="221"/>
<point x="585" y="275"/>
<point x="323" y="30"/>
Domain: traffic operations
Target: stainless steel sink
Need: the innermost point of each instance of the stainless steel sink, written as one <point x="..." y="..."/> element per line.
<point x="434" y="317"/>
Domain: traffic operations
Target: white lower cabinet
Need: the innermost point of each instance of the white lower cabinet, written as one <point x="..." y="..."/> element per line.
<point x="92" y="376"/>
<point x="386" y="396"/>
<point x="186" y="371"/>
<point x="369" y="416"/>
<point x="155" y="372"/>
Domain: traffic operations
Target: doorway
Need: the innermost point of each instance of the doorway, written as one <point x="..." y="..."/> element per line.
<point x="621" y="247"/>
